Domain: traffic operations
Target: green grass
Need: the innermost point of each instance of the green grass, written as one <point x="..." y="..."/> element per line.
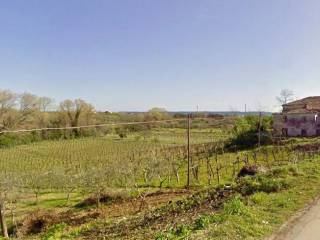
<point x="259" y="214"/>
<point x="90" y="164"/>
<point x="264" y="202"/>
<point x="273" y="197"/>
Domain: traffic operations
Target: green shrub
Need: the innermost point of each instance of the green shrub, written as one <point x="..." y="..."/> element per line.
<point x="283" y="172"/>
<point x="294" y="171"/>
<point x="55" y="232"/>
<point x="121" y="132"/>
<point x="180" y="232"/>
<point x="235" y="206"/>
<point x="279" y="172"/>
<point x="245" y="132"/>
<point x="269" y="185"/>
<point x="281" y="201"/>
<point x="259" y="198"/>
<point x="217" y="218"/>
<point x="249" y="185"/>
<point x="7" y="140"/>
<point x="202" y="222"/>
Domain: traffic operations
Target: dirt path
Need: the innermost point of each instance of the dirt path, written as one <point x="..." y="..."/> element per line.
<point x="304" y="226"/>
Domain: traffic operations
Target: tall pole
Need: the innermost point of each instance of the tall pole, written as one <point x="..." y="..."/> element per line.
<point x="259" y="134"/>
<point x="188" y="150"/>
<point x="3" y="221"/>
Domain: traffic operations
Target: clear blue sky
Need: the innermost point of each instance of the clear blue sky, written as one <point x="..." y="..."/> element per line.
<point x="177" y="54"/>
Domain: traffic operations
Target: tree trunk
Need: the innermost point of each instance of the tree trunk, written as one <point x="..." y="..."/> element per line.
<point x="68" y="198"/>
<point x="98" y="198"/>
<point x="3" y="221"/>
<point x="14" y="222"/>
<point x="37" y="198"/>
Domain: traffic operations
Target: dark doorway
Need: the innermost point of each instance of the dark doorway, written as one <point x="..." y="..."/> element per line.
<point x="303" y="133"/>
<point x="285" y="132"/>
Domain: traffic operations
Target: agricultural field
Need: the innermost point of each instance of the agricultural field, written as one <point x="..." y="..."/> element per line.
<point x="90" y="187"/>
<point x="54" y="174"/>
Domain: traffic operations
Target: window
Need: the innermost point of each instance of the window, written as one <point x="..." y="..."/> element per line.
<point x="285" y="132"/>
<point x="304" y="119"/>
<point x="303" y="133"/>
<point x="316" y="120"/>
<point x="318" y="132"/>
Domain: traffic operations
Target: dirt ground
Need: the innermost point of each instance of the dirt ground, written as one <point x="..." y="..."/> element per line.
<point x="155" y="199"/>
<point x="40" y="220"/>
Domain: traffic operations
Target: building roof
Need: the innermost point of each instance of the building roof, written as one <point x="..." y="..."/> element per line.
<point x="303" y="106"/>
<point x="302" y="111"/>
<point x="312" y="101"/>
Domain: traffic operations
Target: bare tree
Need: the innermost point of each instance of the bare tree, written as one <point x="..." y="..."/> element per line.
<point x="45" y="103"/>
<point x="73" y="110"/>
<point x="28" y="105"/>
<point x="28" y="102"/>
<point x="16" y="109"/>
<point x="286" y="95"/>
<point x="8" y="101"/>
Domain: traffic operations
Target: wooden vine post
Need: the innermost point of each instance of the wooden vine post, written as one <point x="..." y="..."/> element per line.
<point x="188" y="150"/>
<point x="259" y="130"/>
<point x="3" y="220"/>
<point x="208" y="170"/>
<point x="217" y="166"/>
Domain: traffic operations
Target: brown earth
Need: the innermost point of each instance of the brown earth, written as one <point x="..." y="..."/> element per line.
<point x="40" y="221"/>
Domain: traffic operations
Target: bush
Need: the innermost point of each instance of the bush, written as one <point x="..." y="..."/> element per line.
<point x="202" y="222"/>
<point x="279" y="172"/>
<point x="246" y="129"/>
<point x="285" y="171"/>
<point x="294" y="171"/>
<point x="55" y="232"/>
<point x="235" y="206"/>
<point x="180" y="232"/>
<point x="259" y="198"/>
<point x="9" y="140"/>
<point x="250" y="185"/>
<point x="121" y="132"/>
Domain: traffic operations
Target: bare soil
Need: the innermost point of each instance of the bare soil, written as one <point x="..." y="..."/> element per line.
<point x="40" y="221"/>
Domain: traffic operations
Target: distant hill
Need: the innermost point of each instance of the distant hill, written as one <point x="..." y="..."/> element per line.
<point x="223" y="113"/>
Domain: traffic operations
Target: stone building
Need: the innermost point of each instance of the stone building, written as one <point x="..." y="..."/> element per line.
<point x="299" y="118"/>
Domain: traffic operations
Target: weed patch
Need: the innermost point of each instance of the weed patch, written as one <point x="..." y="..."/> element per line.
<point x="235" y="206"/>
<point x="261" y="183"/>
<point x="55" y="232"/>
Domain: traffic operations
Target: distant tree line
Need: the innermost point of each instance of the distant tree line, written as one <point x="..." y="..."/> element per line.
<point x="29" y="111"/>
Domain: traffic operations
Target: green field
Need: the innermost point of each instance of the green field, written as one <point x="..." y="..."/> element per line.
<point x="143" y="169"/>
<point x="50" y="174"/>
